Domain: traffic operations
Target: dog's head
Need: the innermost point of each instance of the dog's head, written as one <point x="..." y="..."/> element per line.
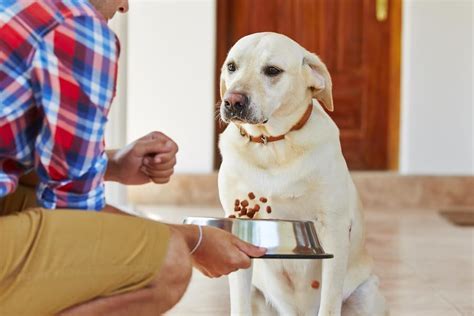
<point x="267" y="74"/>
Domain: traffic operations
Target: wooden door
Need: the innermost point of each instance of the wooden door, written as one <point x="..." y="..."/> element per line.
<point x="362" y="55"/>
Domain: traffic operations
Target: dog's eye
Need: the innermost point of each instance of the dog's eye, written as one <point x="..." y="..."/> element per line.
<point x="231" y="67"/>
<point x="272" y="71"/>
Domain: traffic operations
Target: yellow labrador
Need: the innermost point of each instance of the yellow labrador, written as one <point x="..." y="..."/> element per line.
<point x="282" y="146"/>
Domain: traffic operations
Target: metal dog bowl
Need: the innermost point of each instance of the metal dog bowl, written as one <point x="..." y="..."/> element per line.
<point x="284" y="239"/>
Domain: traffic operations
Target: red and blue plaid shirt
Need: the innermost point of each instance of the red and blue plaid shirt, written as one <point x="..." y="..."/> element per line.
<point x="58" y="63"/>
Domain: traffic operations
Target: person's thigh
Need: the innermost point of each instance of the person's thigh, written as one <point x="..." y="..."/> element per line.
<point x="51" y="260"/>
<point x="23" y="198"/>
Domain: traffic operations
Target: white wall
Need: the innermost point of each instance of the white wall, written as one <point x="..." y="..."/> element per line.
<point x="437" y="105"/>
<point x="171" y="53"/>
<point x="116" y="132"/>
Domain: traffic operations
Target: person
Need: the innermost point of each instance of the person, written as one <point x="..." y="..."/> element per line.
<point x="58" y="65"/>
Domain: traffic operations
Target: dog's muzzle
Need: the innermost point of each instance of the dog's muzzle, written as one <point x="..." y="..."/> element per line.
<point x="235" y="107"/>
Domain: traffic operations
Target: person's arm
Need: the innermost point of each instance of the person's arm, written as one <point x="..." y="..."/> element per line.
<point x="219" y="252"/>
<point x="73" y="78"/>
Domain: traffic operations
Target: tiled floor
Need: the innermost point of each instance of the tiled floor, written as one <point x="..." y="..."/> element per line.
<point x="426" y="265"/>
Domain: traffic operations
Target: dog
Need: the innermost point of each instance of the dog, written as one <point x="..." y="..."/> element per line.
<point x="283" y="148"/>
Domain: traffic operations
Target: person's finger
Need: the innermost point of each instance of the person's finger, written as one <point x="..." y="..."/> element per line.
<point x="159" y="173"/>
<point x="170" y="148"/>
<point x="249" y="249"/>
<point x="240" y="261"/>
<point x="148" y="147"/>
<point x="160" y="166"/>
<point x="160" y="160"/>
<point x="160" y="180"/>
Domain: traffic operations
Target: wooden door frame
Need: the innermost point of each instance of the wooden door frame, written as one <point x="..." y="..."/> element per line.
<point x="394" y="63"/>
<point x="394" y="107"/>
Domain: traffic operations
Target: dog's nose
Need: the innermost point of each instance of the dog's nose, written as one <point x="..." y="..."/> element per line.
<point x="236" y="101"/>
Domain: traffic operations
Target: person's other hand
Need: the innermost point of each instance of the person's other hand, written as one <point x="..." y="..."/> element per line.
<point x="221" y="253"/>
<point x="150" y="158"/>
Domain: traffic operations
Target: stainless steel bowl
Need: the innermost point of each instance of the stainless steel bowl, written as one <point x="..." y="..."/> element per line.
<point x="284" y="239"/>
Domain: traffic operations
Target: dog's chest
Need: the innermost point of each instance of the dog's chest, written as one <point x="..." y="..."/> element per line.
<point x="262" y="194"/>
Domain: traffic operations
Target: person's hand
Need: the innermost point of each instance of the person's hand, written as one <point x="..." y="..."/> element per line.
<point x="150" y="158"/>
<point x="220" y="252"/>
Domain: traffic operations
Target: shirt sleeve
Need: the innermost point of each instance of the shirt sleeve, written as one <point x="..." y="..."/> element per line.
<point x="74" y="73"/>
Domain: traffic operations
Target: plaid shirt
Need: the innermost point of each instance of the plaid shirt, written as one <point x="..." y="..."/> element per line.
<point x="58" y="63"/>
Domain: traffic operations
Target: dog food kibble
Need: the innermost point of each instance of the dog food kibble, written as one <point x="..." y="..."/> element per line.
<point x="244" y="203"/>
<point x="256" y="208"/>
<point x="237" y="202"/>
<point x="231" y="216"/>
<point x="243" y="211"/>
<point x="251" y="195"/>
<point x="250" y="214"/>
<point x="237" y="209"/>
<point x="315" y="284"/>
<point x="269" y="209"/>
<point x="263" y="199"/>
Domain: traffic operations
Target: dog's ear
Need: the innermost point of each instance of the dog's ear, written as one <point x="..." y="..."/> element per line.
<point x="318" y="80"/>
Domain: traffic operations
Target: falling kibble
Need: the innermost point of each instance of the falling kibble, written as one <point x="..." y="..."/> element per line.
<point x="263" y="199"/>
<point x="251" y="195"/>
<point x="232" y="216"/>
<point x="237" y="202"/>
<point x="269" y="209"/>
<point x="250" y="214"/>
<point x="256" y="208"/>
<point x="315" y="284"/>
<point x="244" y="203"/>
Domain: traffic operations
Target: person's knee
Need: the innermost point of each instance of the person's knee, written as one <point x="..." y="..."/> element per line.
<point x="174" y="276"/>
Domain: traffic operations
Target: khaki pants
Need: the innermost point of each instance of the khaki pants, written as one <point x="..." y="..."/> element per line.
<point x="50" y="260"/>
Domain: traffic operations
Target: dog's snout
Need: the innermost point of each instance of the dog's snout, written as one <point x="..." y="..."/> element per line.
<point x="236" y="101"/>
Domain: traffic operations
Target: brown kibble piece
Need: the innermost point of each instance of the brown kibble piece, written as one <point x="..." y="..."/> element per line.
<point x="237" y="202"/>
<point x="263" y="199"/>
<point x="244" y="203"/>
<point x="232" y="216"/>
<point x="237" y="209"/>
<point x="315" y="284"/>
<point x="250" y="214"/>
<point x="256" y="208"/>
<point x="251" y="195"/>
<point x="269" y="209"/>
<point x="243" y="211"/>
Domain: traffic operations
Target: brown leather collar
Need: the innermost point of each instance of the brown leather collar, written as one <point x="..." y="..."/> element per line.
<point x="268" y="139"/>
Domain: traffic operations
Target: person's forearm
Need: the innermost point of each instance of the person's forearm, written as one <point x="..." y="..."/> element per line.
<point x="112" y="171"/>
<point x="190" y="233"/>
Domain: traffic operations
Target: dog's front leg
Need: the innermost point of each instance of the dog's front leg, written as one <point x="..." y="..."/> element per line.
<point x="335" y="241"/>
<point x="240" y="285"/>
